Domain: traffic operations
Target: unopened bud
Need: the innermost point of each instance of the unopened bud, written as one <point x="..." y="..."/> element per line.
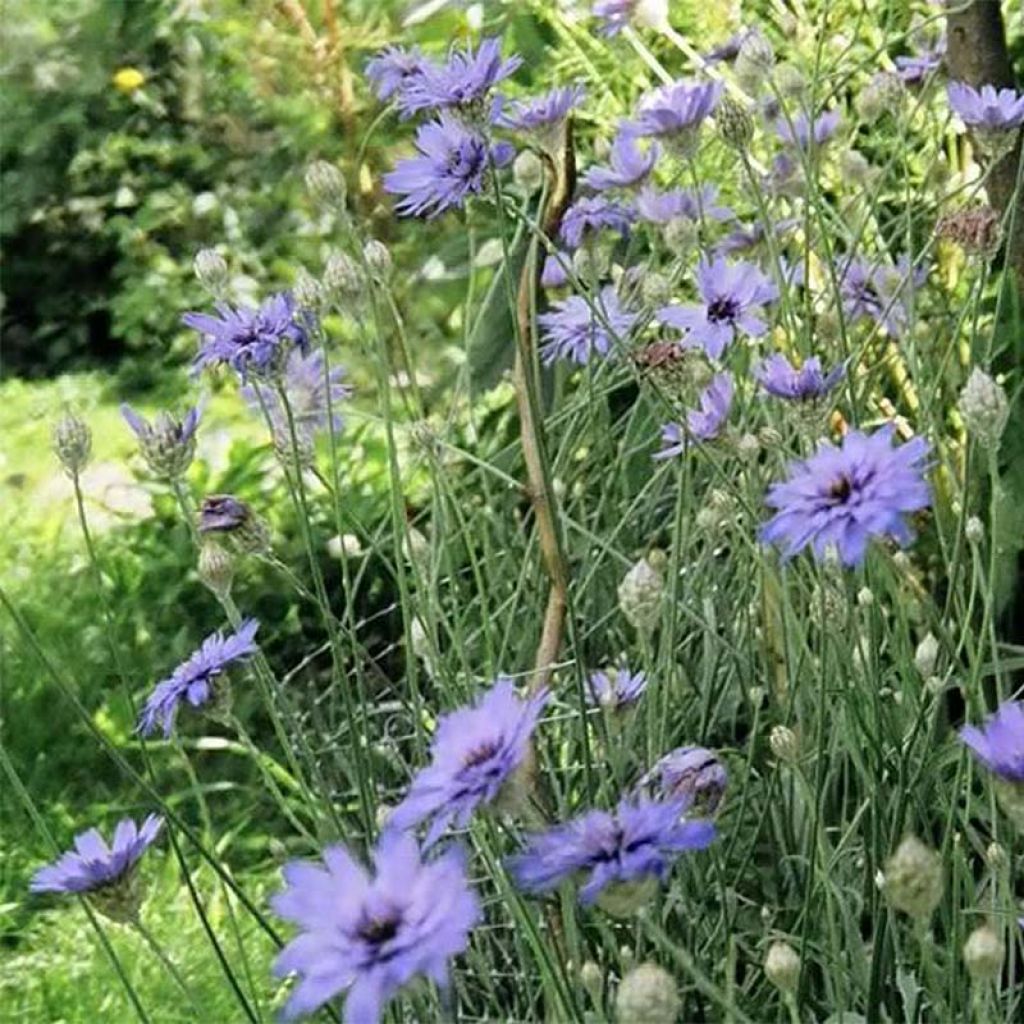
<point x="784" y="744"/>
<point x="342" y="278"/>
<point x="680" y="236"/>
<point x="378" y="259"/>
<point x="326" y="185"/>
<point x="656" y="290"/>
<point x="855" y="168"/>
<point x="416" y="549"/>
<point x="652" y="14"/>
<point x="913" y="878"/>
<point x="882" y="95"/>
<point x="927" y="655"/>
<point x="754" y="62"/>
<point x="72" y="443"/>
<point x="984" y="953"/>
<point x="995" y="855"/>
<point x="592" y="980"/>
<point x="748" y="447"/>
<point x="641" y="591"/>
<point x="528" y="172"/>
<point x="308" y="292"/>
<point x="974" y="530"/>
<point x="865" y="597"/>
<point x="789" y="80"/>
<point x="211" y="271"/>
<point x="216" y="568"/>
<point x="647" y="993"/>
<point x="782" y="966"/>
<point x="984" y="408"/>
<point x="734" y="123"/>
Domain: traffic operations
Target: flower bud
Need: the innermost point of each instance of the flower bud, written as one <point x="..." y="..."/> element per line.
<point x="223" y="515"/>
<point x="692" y="772"/>
<point x="995" y="856"/>
<point x="865" y="597"/>
<point x="378" y="259"/>
<point x="855" y="168"/>
<point x="72" y="443"/>
<point x="984" y="953"/>
<point x="168" y="444"/>
<point x="913" y="878"/>
<point x="590" y="263"/>
<point x="326" y="185"/>
<point x="641" y="591"/>
<point x="307" y="291"/>
<point x="680" y="236"/>
<point x="977" y="231"/>
<point x="216" y="568"/>
<point x="648" y="993"/>
<point x="984" y="408"/>
<point x="974" y="530"/>
<point x="656" y="290"/>
<point x="592" y="980"/>
<point x="789" y="80"/>
<point x="734" y="123"/>
<point x="528" y="172"/>
<point x="784" y="744"/>
<point x="624" y="899"/>
<point x="211" y="271"/>
<point x="416" y="549"/>
<point x="882" y="95"/>
<point x="754" y="62"/>
<point x="782" y="966"/>
<point x="748" y="447"/>
<point x="652" y="14"/>
<point x="343" y="280"/>
<point x="927" y="655"/>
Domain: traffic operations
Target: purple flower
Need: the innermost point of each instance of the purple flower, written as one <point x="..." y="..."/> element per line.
<point x="629" y="165"/>
<point x="542" y="112"/>
<point x="614" y="13"/>
<point x="593" y="214"/>
<point x="843" y="496"/>
<point x="464" y="81"/>
<point x="693" y="773"/>
<point x="703" y="424"/>
<point x="370" y="936"/>
<point x="728" y="50"/>
<point x="93" y="865"/>
<point x="222" y="513"/>
<point x="802" y="131"/>
<point x="615" y="690"/>
<point x="1000" y="744"/>
<point x="731" y="294"/>
<point x="691" y="204"/>
<point x="677" y="108"/>
<point x="451" y="167"/>
<point x="195" y="680"/>
<point x="573" y="330"/>
<point x="639" y="841"/>
<point x="168" y="443"/>
<point x="913" y="70"/>
<point x="986" y="108"/>
<point x="475" y="752"/>
<point x="779" y="377"/>
<point x="553" y="273"/>
<point x="391" y="70"/>
<point x="249" y="340"/>
<point x="877" y="291"/>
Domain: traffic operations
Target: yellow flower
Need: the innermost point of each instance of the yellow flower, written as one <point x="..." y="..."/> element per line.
<point x="127" y="80"/>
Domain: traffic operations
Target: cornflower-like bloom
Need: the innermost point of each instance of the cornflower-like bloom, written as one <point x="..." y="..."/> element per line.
<point x="199" y="679"/>
<point x="573" y="330"/>
<point x="913" y="69"/>
<point x="452" y="165"/>
<point x="250" y="341"/>
<point x="228" y="516"/>
<point x="370" y="936"/>
<point x="843" y="496"/>
<point x="635" y="845"/>
<point x="554" y="274"/>
<point x="476" y="751"/>
<point x="703" y="424"/>
<point x="617" y="14"/>
<point x="391" y="70"/>
<point x="1000" y="744"/>
<point x="592" y="214"/>
<point x="689" y="204"/>
<point x="617" y="690"/>
<point x="779" y="377"/>
<point x="802" y="131"/>
<point x="463" y="82"/>
<point x="986" y="109"/>
<point x="629" y="164"/>
<point x="677" y="110"/>
<point x="168" y="444"/>
<point x="879" y="292"/>
<point x="692" y="773"/>
<point x="732" y="294"/>
<point x="542" y="112"/>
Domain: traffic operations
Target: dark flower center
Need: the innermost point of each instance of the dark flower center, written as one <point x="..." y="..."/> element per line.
<point x="724" y="309"/>
<point x="483" y="752"/>
<point x="378" y="930"/>
<point x="840" y="490"/>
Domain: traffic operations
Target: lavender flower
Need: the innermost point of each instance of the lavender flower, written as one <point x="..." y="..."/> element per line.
<point x="197" y="679"/>
<point x="476" y="751"/>
<point x="394" y="68"/>
<point x="689" y="204"/>
<point x="463" y="82"/>
<point x="728" y="50"/>
<point x="677" y="109"/>
<point x="168" y="444"/>
<point x="878" y="291"/>
<point x="617" y="14"/>
<point x="572" y="330"/>
<point x="802" y="131"/>
<point x="987" y="108"/>
<point x="780" y="378"/>
<point x="451" y="168"/>
<point x="629" y="165"/>
<point x="371" y="936"/>
<point x="592" y="214"/>
<point x="542" y="112"/>
<point x="553" y="274"/>
<point x="731" y="294"/>
<point x="1000" y="744"/>
<point x="617" y="690"/>
<point x="250" y="341"/>
<point x="914" y="69"/>
<point x="637" y="843"/>
<point x="843" y="496"/>
<point x="703" y="424"/>
<point x="692" y="773"/>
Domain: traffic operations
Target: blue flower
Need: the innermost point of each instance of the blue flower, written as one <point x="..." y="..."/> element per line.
<point x="703" y="424"/>
<point x="1000" y="744"/>
<point x="573" y="330"/>
<point x="641" y="840"/>
<point x="168" y="444"/>
<point x="195" y="680"/>
<point x="780" y="378"/>
<point x="391" y="70"/>
<point x="452" y="165"/>
<point x="370" y="936"/>
<point x="250" y="341"/>
<point x="592" y="214"/>
<point x="914" y="69"/>
<point x="691" y="204"/>
<point x="677" y="109"/>
<point x="614" y="14"/>
<point x="615" y="690"/>
<point x="987" y="108"/>
<point x="475" y="752"/>
<point x="541" y="112"/>
<point x="691" y="773"/>
<point x="802" y="130"/>
<point x="629" y="166"/>
<point x="843" y="496"/>
<point x="554" y="274"/>
<point x="878" y="291"/>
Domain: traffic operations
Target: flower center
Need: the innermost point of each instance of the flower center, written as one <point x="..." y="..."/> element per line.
<point x="378" y="930"/>
<point x="840" y="490"/>
<point x="723" y="310"/>
<point x="480" y="753"/>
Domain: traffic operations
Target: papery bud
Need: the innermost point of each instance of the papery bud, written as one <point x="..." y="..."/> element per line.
<point x="416" y="549"/>
<point x="326" y="185"/>
<point x="216" y="568"/>
<point x="72" y="443"/>
<point x="974" y="530"/>
<point x="655" y="290"/>
<point x="784" y="744"/>
<point x="984" y="953"/>
<point x="224" y="515"/>
<point x="977" y="231"/>
<point x="590" y="262"/>
<point x="882" y="95"/>
<point x="914" y="878"/>
<point x="168" y="444"/>
<point x="865" y="597"/>
<point x="927" y="655"/>
<point x="624" y="899"/>
<point x="680" y="236"/>
<point x="211" y="271"/>
<point x="652" y="14"/>
<point x="782" y="966"/>
<point x="984" y="408"/>
<point x="855" y="168"/>
<point x="648" y="994"/>
<point x="995" y="856"/>
<point x="528" y="172"/>
<point x="343" y="279"/>
<point x="592" y="980"/>
<point x="734" y="123"/>
<point x="748" y="447"/>
<point x="641" y="591"/>
<point x="378" y="259"/>
<point x="308" y="292"/>
<point x="789" y="80"/>
<point x="754" y="62"/>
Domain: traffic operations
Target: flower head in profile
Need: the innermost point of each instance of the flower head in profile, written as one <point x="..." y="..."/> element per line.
<point x="554" y="274"/>
<point x="592" y="214"/>
<point x="913" y="69"/>
<point x="196" y="680"/>
<point x="802" y="131"/>
<point x="879" y="291"/>
<point x="168" y="444"/>
<point x="680" y="203"/>
<point x="616" y="15"/>
<point x="464" y="81"/>
<point x="691" y="773"/>
<point x="452" y="165"/>
<point x="370" y="935"/>
<point x="573" y="330"/>
<point x="638" y="842"/>
<point x="677" y="109"/>
<point x="542" y="112"/>
<point x="476" y="750"/>
<point x="844" y="495"/>
<point x="732" y="296"/>
<point x="999" y="745"/>
<point x="987" y="108"/>
<point x="779" y="377"/>
<point x="615" y="690"/>
<point x="629" y="165"/>
<point x="250" y="341"/>
<point x="391" y="70"/>
<point x="702" y="424"/>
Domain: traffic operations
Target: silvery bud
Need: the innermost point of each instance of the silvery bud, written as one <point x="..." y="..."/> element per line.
<point x="855" y="168"/>
<point x="974" y="530"/>
<point x="927" y="655"/>
<point x="984" y="953"/>
<point x="789" y="80"/>
<point x="913" y="878"/>
<point x="652" y="14"/>
<point x="590" y="263"/>
<point x="748" y="447"/>
<point x="416" y="549"/>
<point x="648" y="993"/>
<point x="641" y="591"/>
<point x="528" y="172"/>
<point x="211" y="271"/>
<point x="782" y="966"/>
<point x="342" y="278"/>
<point x="72" y="443"/>
<point x="378" y="259"/>
<point x="754" y="62"/>
<point x="680" y="236"/>
<point x="995" y="855"/>
<point x="865" y="597"/>
<point x="326" y="185"/>
<point x="656" y="290"/>
<point x="216" y="568"/>
<point x="308" y="291"/>
<point x="784" y="744"/>
<point x="734" y="123"/>
<point x="882" y="95"/>
<point x="984" y="408"/>
<point x="592" y="980"/>
<point x="624" y="899"/>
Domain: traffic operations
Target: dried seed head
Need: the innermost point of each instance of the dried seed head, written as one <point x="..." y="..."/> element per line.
<point x="211" y="271"/>
<point x="647" y="993"/>
<point x="914" y="878"/>
<point x="641" y="591"/>
<point x="984" y="953"/>
<point x="976" y="230"/>
<point x="72" y="443"/>
<point x="784" y="744"/>
<point x="984" y="407"/>
<point x="782" y="966"/>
